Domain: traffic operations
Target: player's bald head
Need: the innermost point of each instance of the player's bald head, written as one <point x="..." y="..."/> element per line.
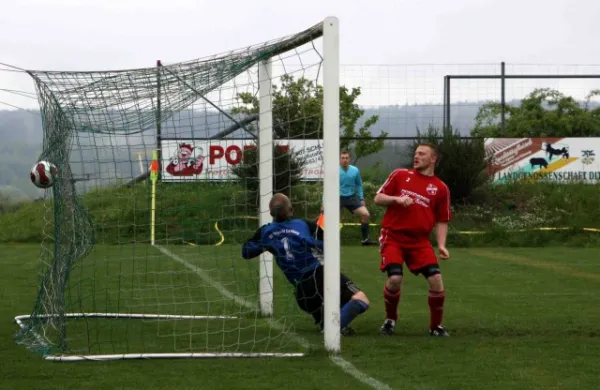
<point x="280" y="207"/>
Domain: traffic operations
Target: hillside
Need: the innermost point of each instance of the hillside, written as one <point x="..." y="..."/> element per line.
<point x="108" y="158"/>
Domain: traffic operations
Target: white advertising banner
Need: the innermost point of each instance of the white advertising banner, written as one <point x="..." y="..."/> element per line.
<point x="193" y="159"/>
<point x="560" y="160"/>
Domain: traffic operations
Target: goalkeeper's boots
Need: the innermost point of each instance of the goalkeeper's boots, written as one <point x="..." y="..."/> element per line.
<point x="347" y="331"/>
<point x="439" y="332"/>
<point x="387" y="329"/>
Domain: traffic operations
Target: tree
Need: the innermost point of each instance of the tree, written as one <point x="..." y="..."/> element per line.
<point x="298" y="114"/>
<point x="462" y="161"/>
<point x="543" y="113"/>
<point x="286" y="163"/>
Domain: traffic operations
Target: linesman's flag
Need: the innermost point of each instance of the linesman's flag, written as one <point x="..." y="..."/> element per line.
<point x="321" y="221"/>
<point x="154" y="166"/>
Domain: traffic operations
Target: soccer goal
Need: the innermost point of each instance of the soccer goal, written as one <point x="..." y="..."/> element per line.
<point x="163" y="173"/>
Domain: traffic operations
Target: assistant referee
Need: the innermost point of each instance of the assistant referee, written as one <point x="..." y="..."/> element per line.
<point x="352" y="196"/>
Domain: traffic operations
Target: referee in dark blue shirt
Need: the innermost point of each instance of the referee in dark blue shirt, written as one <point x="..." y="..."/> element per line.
<point x="352" y="196"/>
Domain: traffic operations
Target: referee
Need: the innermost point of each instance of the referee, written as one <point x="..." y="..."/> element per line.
<point x="352" y="196"/>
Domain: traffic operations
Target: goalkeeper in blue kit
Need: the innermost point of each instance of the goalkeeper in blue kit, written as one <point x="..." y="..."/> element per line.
<point x="297" y="245"/>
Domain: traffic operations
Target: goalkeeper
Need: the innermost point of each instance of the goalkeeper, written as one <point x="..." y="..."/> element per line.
<point x="297" y="245"/>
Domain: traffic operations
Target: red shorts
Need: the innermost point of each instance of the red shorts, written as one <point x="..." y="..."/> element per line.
<point x="416" y="252"/>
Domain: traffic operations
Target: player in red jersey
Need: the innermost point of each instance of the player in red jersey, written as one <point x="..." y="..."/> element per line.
<point x="417" y="202"/>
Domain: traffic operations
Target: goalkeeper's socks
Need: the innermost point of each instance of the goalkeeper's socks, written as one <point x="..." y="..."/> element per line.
<point x="436" y="308"/>
<point x="350" y="310"/>
<point x="391" y="299"/>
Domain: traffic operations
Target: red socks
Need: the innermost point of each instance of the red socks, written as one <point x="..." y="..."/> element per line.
<point x="435" y="300"/>
<point x="391" y="300"/>
<point x="436" y="308"/>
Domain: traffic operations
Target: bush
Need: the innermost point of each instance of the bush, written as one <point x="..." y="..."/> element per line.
<point x="287" y="171"/>
<point x="376" y="173"/>
<point x="462" y="161"/>
<point x="530" y="214"/>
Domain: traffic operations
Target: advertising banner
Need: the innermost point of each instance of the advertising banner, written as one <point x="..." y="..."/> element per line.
<point x="561" y="160"/>
<point x="194" y="159"/>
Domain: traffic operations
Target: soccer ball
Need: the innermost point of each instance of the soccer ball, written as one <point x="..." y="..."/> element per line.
<point x="43" y="174"/>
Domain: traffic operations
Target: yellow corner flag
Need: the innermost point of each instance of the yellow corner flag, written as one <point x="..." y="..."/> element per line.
<point x="153" y="178"/>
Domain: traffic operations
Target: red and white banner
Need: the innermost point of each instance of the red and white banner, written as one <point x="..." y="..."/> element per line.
<point x="191" y="160"/>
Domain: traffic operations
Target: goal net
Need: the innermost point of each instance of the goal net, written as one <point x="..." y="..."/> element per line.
<point x="164" y="172"/>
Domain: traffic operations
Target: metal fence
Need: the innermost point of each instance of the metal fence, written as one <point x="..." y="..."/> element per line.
<point x="407" y="97"/>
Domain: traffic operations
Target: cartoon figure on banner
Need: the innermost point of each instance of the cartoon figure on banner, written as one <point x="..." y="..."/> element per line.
<point x="550" y="151"/>
<point x="184" y="162"/>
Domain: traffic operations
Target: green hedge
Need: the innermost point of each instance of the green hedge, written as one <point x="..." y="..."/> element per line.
<point x="508" y="214"/>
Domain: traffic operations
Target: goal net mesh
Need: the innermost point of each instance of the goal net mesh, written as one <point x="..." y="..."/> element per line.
<point x="104" y="290"/>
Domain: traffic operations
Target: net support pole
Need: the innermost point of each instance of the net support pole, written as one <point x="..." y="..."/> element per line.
<point x="331" y="183"/>
<point x="158" y="117"/>
<point x="265" y="174"/>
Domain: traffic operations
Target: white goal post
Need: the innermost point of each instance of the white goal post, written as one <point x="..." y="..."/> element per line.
<point x="331" y="181"/>
<point x="331" y="146"/>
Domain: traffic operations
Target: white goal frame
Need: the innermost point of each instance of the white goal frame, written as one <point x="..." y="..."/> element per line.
<point x="331" y="184"/>
<point x="331" y="145"/>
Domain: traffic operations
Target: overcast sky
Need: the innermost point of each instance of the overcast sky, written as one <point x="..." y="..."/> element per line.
<point x="109" y="34"/>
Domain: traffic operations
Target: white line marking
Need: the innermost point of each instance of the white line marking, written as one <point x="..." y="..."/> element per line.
<point x="225" y="292"/>
<point x="345" y="365"/>
<point x="357" y="374"/>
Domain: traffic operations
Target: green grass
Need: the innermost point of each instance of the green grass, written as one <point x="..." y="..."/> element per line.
<point x="508" y="215"/>
<point x="518" y="317"/>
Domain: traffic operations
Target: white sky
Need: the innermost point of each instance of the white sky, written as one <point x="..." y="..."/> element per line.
<point x="393" y="34"/>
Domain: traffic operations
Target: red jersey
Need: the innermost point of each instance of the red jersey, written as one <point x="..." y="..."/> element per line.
<point x="431" y="203"/>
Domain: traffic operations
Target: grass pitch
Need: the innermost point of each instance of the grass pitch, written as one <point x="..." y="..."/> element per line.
<point x="518" y="318"/>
